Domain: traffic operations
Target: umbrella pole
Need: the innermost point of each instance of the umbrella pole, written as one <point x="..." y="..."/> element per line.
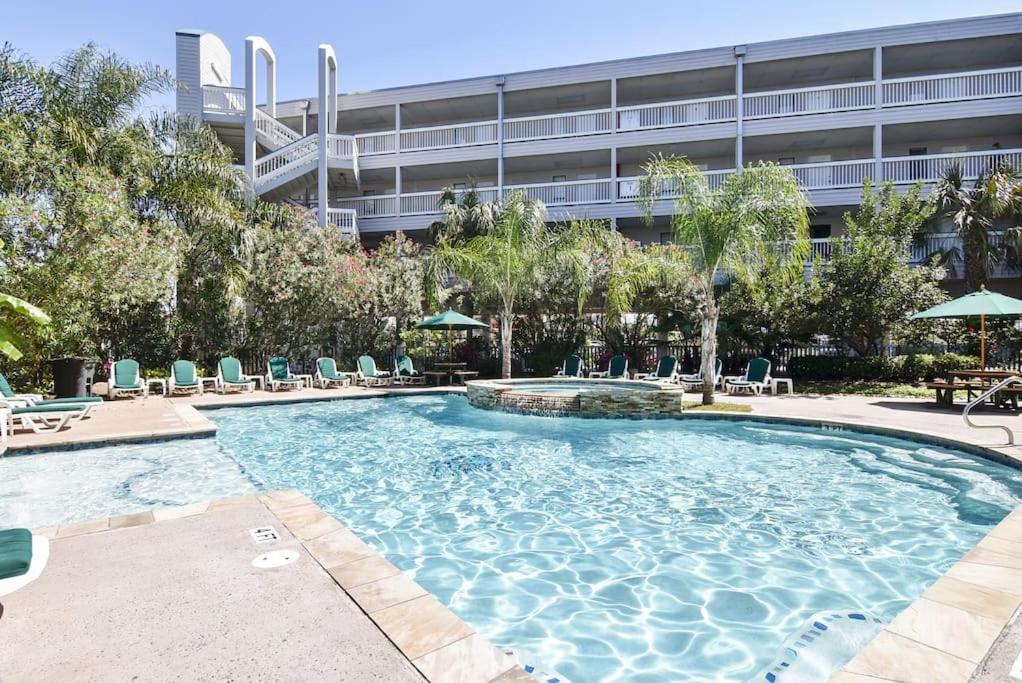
<point x="983" y="342"/>
<point x="450" y="346"/>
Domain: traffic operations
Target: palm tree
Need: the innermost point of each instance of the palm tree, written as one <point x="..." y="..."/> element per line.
<point x="508" y="257"/>
<point x="996" y="193"/>
<point x="756" y="222"/>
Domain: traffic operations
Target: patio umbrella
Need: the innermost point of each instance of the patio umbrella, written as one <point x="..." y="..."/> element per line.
<point x="450" y="321"/>
<point x="985" y="304"/>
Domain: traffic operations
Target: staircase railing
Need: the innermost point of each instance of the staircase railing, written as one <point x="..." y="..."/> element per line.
<point x="280" y="161"/>
<point x="278" y="134"/>
<point x="1014" y="379"/>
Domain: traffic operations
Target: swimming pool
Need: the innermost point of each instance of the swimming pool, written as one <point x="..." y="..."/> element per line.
<point x="615" y="550"/>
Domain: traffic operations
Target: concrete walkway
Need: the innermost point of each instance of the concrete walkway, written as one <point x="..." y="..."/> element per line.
<point x="173" y="594"/>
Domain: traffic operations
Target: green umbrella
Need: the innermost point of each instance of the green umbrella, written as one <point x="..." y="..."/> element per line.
<point x="985" y="304"/>
<point x="450" y="321"/>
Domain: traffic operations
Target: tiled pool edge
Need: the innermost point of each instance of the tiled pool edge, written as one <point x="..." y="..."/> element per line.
<point x="947" y="632"/>
<point x="433" y="639"/>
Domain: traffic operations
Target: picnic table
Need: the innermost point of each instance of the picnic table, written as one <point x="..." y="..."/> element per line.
<point x="974" y="383"/>
<point x="450" y="370"/>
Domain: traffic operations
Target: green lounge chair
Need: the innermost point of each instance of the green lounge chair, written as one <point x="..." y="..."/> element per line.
<point x="326" y="373"/>
<point x="405" y="372"/>
<point x="616" y="369"/>
<point x="230" y="377"/>
<point x="9" y="399"/>
<point x="278" y="374"/>
<point x="572" y="367"/>
<point x="755" y="379"/>
<point x="694" y="382"/>
<point x="23" y="557"/>
<point x="666" y="371"/>
<point x="183" y="377"/>
<point x="126" y="379"/>
<point x="368" y="375"/>
<point x="44" y="419"/>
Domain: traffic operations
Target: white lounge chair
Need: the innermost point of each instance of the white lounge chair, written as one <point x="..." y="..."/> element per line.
<point x="43" y="419"/>
<point x="617" y="368"/>
<point x="126" y="379"/>
<point x="571" y="367"/>
<point x="183" y="377"/>
<point x="368" y="375"/>
<point x="279" y="375"/>
<point x="405" y="372"/>
<point x="666" y="371"/>
<point x="694" y="382"/>
<point x="230" y="377"/>
<point x="755" y="379"/>
<point x="326" y="374"/>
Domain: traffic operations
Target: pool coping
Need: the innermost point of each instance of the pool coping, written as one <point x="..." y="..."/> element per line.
<point x="435" y="641"/>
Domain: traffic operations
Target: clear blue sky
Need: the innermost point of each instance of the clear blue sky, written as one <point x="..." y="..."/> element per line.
<point x="381" y="44"/>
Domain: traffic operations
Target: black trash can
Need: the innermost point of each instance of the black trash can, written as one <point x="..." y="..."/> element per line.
<point x="72" y="376"/>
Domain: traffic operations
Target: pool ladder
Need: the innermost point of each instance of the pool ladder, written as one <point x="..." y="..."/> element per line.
<point x="1014" y="379"/>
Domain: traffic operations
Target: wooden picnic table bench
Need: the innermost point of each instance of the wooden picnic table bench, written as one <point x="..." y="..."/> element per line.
<point x="945" y="392"/>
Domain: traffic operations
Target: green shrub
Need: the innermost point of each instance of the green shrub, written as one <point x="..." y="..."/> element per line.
<point x="910" y="368"/>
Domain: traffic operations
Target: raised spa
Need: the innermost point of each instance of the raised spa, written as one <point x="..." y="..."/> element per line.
<point x="576" y="396"/>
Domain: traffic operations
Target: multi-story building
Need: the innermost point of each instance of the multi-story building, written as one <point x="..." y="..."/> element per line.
<point x="898" y="103"/>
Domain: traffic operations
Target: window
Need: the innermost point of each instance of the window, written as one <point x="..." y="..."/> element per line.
<point x="819" y="232"/>
<point x="786" y="161"/>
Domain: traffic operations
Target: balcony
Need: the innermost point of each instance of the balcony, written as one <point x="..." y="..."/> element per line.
<point x="929" y="168"/>
<point x="443" y="137"/>
<point x="345" y="220"/>
<point x="567" y="193"/>
<point x="558" y="125"/>
<point x="221" y="100"/>
<point x="381" y="206"/>
<point x="814" y="100"/>
<point x="969" y="85"/>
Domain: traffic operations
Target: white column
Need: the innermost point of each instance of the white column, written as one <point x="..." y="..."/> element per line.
<point x="878" y="103"/>
<point x="739" y="106"/>
<point x="397" y="164"/>
<point x="323" y="130"/>
<point x="613" y="144"/>
<point x="250" y="107"/>
<point x="500" y="137"/>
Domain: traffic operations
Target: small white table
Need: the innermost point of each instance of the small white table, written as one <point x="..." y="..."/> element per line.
<point x="778" y="381"/>
<point x="306" y="379"/>
<point x="158" y="381"/>
<point x="207" y="380"/>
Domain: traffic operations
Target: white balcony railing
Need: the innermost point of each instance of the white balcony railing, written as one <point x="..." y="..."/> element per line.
<point x="344" y="220"/>
<point x="833" y="174"/>
<point x="930" y="167"/>
<point x="376" y="143"/>
<point x="458" y="135"/>
<point x="370" y="207"/>
<point x="628" y="188"/>
<point x="681" y="113"/>
<point x="566" y="193"/>
<point x="341" y="146"/>
<point x="813" y="100"/>
<point x="558" y="125"/>
<point x="968" y="85"/>
<point x="223" y="100"/>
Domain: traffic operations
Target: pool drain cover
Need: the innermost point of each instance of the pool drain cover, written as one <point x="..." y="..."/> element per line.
<point x="275" y="558"/>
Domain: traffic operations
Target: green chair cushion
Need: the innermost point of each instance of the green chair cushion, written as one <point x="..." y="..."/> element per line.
<point x="74" y="399"/>
<point x="184" y="373"/>
<point x="59" y="408"/>
<point x="665" y="368"/>
<point x="759" y="368"/>
<point x="572" y="365"/>
<point x="367" y="366"/>
<point x="280" y="369"/>
<point x="125" y="374"/>
<point x="5" y="388"/>
<point x="328" y="368"/>
<point x="617" y="366"/>
<point x="15" y="552"/>
<point x="230" y="370"/>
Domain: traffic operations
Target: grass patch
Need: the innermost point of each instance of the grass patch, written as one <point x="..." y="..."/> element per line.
<point x="720" y="407"/>
<point x="890" y="389"/>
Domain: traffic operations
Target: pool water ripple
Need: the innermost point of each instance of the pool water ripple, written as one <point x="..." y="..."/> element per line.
<point x="619" y="550"/>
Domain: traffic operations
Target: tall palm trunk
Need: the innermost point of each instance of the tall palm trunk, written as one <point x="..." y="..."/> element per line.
<point x="708" y="341"/>
<point x="974" y="253"/>
<point x="506" y="322"/>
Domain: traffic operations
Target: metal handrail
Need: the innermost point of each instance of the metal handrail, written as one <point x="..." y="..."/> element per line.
<point x="1014" y="379"/>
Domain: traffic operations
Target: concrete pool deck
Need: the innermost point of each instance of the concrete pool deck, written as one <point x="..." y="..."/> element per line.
<point x="172" y="594"/>
<point x="959" y="629"/>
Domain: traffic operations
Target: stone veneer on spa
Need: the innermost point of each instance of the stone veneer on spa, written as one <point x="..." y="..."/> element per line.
<point x="624" y="398"/>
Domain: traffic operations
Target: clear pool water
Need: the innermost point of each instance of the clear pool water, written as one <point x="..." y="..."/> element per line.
<point x="610" y="550"/>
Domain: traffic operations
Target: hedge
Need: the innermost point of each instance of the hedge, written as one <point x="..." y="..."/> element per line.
<point x="911" y="368"/>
